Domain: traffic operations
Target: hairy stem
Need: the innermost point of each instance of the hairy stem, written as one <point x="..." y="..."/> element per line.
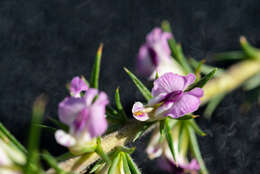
<point x="227" y="82"/>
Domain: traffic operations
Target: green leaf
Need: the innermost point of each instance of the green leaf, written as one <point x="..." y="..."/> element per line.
<point x="168" y="133"/>
<point x="231" y="55"/>
<point x="11" y="138"/>
<point x="134" y="169"/>
<point x="52" y="162"/>
<point x="65" y="156"/>
<point x="114" y="164"/>
<point x="94" y="78"/>
<point x="196" y="128"/>
<point x="176" y="49"/>
<point x="252" y="83"/>
<point x="162" y="127"/>
<point x="119" y="105"/>
<point x="186" y="117"/>
<point x="203" y="80"/>
<point x="146" y="93"/>
<point x="101" y="153"/>
<point x="59" y="124"/>
<point x="142" y="130"/>
<point x="52" y="129"/>
<point x="34" y="136"/>
<point x="125" y="149"/>
<point x="205" y="69"/>
<point x="249" y="50"/>
<point x="97" y="166"/>
<point x="125" y="164"/>
<point x="212" y="105"/>
<point x="196" y="150"/>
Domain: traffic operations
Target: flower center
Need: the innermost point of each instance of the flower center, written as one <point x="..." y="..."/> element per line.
<point x="153" y="56"/>
<point x="173" y="96"/>
<point x="139" y="113"/>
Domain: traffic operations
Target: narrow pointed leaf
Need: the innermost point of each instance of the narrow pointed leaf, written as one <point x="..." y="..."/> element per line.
<point x="146" y="93"/>
<point x="212" y="105"/>
<point x="52" y="162"/>
<point x="64" y="156"/>
<point x="96" y="166"/>
<point x="252" y="83"/>
<point x="34" y="135"/>
<point x="231" y="55"/>
<point x="11" y="138"/>
<point x="186" y="117"/>
<point x="249" y="50"/>
<point x="176" y="50"/>
<point x="142" y="130"/>
<point x="196" y="150"/>
<point x="205" y="69"/>
<point x="119" y="105"/>
<point x="133" y="167"/>
<point x="125" y="164"/>
<point x="101" y="153"/>
<point x="196" y="128"/>
<point x="203" y="80"/>
<point x="168" y="133"/>
<point x="59" y="124"/>
<point x="94" y="78"/>
<point x="114" y="164"/>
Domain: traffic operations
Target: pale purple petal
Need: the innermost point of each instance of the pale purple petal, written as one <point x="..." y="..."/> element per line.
<point x="81" y="120"/>
<point x="64" y="138"/>
<point x="69" y="109"/>
<point x="145" y="65"/>
<point x="102" y="99"/>
<point x="154" y="148"/>
<point x="96" y="123"/>
<point x="189" y="79"/>
<point x="170" y="82"/>
<point x="91" y="93"/>
<point x="164" y="108"/>
<point x="187" y="104"/>
<point x="198" y="92"/>
<point x="77" y="85"/>
<point x="193" y="165"/>
<point x="167" y="83"/>
<point x="139" y="113"/>
<point x="157" y="99"/>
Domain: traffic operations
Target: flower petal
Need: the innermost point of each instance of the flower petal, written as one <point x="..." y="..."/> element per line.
<point x="139" y="113"/>
<point x="64" y="138"/>
<point x="96" y="123"/>
<point x="170" y="82"/>
<point x="187" y="104"/>
<point x="145" y="65"/>
<point x="198" y="92"/>
<point x="69" y="109"/>
<point x="91" y="93"/>
<point x="77" y="85"/>
<point x="102" y="99"/>
<point x="154" y="148"/>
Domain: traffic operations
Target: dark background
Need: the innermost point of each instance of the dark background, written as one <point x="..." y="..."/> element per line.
<point x="44" y="43"/>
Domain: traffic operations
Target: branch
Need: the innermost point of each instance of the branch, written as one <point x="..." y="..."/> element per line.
<point x="227" y="82"/>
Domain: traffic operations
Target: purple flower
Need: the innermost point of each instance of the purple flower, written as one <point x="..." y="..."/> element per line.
<point x="85" y="117"/>
<point x="155" y="55"/>
<point x="159" y="148"/>
<point x="77" y="85"/>
<point x="169" y="98"/>
<point x="170" y="166"/>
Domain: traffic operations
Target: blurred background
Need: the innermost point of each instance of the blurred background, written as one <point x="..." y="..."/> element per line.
<point x="45" y="43"/>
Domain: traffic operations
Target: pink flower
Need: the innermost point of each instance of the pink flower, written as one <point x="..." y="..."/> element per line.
<point x="77" y="85"/>
<point x="85" y="117"/>
<point x="169" y="98"/>
<point x="155" y="55"/>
